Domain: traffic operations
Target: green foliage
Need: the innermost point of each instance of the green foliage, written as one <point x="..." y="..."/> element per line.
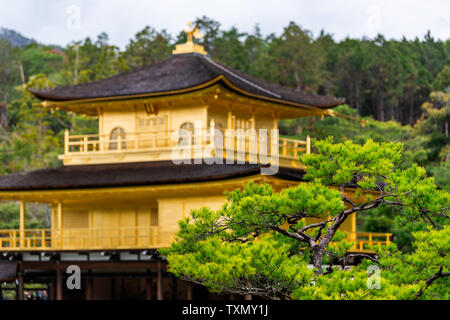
<point x="37" y="59"/>
<point x="33" y="144"/>
<point x="8" y="75"/>
<point x="88" y="61"/>
<point x="37" y="216"/>
<point x="425" y="144"/>
<point x="260" y="243"/>
<point x="149" y="46"/>
<point x="442" y="81"/>
<point x="337" y="164"/>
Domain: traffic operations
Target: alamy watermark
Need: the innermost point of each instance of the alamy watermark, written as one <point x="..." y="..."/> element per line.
<point x="234" y="146"/>
<point x="73" y="21"/>
<point x="374" y="279"/>
<point x="74" y="279"/>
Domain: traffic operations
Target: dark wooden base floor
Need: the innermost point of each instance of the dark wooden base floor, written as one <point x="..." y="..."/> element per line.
<point x="107" y="280"/>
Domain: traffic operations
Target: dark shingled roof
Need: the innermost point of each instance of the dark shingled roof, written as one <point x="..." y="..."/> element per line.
<point x="131" y="174"/>
<point x="181" y="72"/>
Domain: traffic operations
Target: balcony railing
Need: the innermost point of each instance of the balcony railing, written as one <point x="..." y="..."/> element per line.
<point x="130" y="238"/>
<point x="87" y="239"/>
<point x="366" y="241"/>
<point x="225" y="140"/>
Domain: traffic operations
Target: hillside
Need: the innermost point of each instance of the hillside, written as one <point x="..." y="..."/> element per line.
<point x="14" y="37"/>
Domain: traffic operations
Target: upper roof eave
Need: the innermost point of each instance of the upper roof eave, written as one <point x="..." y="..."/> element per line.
<point x="173" y="76"/>
<point x="222" y="80"/>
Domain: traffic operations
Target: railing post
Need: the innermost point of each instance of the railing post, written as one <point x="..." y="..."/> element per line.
<point x="85" y="144"/>
<point x="102" y="143"/>
<point x="43" y="238"/>
<point x="308" y="144"/>
<point x="66" y="141"/>
<point x="14" y="239"/>
<point x="284" y="152"/>
<point x="212" y="135"/>
<point x="22" y="224"/>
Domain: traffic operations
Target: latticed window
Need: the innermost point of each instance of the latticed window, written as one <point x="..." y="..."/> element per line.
<point x="151" y="124"/>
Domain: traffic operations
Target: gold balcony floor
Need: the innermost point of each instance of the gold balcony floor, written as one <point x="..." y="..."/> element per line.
<point x="130" y="238"/>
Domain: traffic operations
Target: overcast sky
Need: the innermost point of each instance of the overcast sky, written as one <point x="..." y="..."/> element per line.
<point x="56" y="21"/>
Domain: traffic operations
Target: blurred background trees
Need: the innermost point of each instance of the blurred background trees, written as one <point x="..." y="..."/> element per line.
<point x="401" y="87"/>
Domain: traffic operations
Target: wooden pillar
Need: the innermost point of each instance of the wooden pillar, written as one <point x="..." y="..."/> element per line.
<point x="113" y="289"/>
<point x="354" y="236"/>
<point x="148" y="286"/>
<point x="60" y="225"/>
<point x="16" y="287"/>
<point x="122" y="288"/>
<point x="212" y="127"/>
<point x="89" y="286"/>
<point x="52" y="293"/>
<point x="159" y="282"/>
<point x="100" y="120"/>
<point x="66" y="141"/>
<point x="59" y="283"/>
<point x="308" y="145"/>
<point x="189" y="291"/>
<point x="22" y="224"/>
<point x="20" y="292"/>
<point x="174" y="288"/>
<point x="230" y="120"/>
<point x="275" y="123"/>
<point x="53" y="226"/>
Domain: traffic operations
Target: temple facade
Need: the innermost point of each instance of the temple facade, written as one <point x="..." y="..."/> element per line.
<point x="120" y="193"/>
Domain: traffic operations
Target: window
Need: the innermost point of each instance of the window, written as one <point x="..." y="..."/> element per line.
<point x="154" y="219"/>
<point x="115" y="134"/>
<point x="189" y="127"/>
<point x="150" y="124"/>
<point x="218" y="126"/>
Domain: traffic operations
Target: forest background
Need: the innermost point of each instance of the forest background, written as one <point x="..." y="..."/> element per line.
<point x="400" y="87"/>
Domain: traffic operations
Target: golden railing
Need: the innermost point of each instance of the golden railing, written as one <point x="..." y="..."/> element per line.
<point x="290" y="148"/>
<point x="237" y="141"/>
<point x="366" y="241"/>
<point x="130" y="238"/>
<point x="87" y="239"/>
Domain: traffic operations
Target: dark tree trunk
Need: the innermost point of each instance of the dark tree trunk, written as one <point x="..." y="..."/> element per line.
<point x="311" y="125"/>
<point x="317" y="259"/>
<point x="411" y="112"/>
<point x="4" y="116"/>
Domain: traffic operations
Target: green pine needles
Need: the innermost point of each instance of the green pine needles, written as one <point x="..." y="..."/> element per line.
<point x="260" y="244"/>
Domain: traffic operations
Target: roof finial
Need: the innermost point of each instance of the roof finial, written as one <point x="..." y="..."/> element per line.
<point x="190" y="46"/>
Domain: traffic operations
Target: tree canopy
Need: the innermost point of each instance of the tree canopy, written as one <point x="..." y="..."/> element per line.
<point x="261" y="242"/>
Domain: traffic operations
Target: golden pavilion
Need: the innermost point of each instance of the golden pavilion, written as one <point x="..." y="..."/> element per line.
<point x="119" y="195"/>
